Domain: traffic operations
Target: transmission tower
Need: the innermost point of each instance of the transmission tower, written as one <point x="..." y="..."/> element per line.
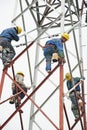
<point x="49" y="107"/>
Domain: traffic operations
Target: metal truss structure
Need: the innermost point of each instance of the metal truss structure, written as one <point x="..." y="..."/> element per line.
<point x="42" y="20"/>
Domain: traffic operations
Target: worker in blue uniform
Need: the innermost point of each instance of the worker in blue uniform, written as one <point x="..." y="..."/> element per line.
<point x="6" y="47"/>
<point x="54" y="46"/>
<point x="74" y="94"/>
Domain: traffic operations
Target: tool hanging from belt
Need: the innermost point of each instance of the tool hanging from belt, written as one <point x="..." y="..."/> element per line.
<point x="55" y="57"/>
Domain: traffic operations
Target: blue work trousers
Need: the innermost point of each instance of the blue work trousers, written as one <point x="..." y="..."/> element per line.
<point x="73" y="98"/>
<point x="48" y="52"/>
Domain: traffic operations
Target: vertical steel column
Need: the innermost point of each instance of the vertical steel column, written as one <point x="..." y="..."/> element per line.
<point x="61" y="123"/>
<point x="82" y="65"/>
<point x="84" y="116"/>
<point x="35" y="69"/>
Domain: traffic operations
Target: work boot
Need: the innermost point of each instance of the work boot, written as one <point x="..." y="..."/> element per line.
<point x="48" y="71"/>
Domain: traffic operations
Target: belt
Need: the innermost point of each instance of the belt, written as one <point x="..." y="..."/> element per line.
<point x="47" y="45"/>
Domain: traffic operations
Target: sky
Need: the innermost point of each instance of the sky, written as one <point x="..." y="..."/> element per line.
<point x="51" y="108"/>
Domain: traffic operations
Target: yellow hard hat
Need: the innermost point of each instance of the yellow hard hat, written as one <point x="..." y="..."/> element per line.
<point x="19" y="29"/>
<point x="65" y="35"/>
<point x="68" y="76"/>
<point x="20" y="73"/>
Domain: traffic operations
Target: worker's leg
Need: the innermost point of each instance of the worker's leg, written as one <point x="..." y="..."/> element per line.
<point x="74" y="107"/>
<point x="61" y="55"/>
<point x="8" y="53"/>
<point x="75" y="110"/>
<point x="12" y="52"/>
<point x="16" y="99"/>
<point x="73" y="98"/>
<point x="3" y="55"/>
<point x="48" y="51"/>
<point x="48" y="62"/>
<point x="14" y="91"/>
<point x="22" y="95"/>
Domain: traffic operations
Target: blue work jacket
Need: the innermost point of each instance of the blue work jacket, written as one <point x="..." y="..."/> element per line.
<point x="9" y="34"/>
<point x="57" y="42"/>
<point x="75" y="81"/>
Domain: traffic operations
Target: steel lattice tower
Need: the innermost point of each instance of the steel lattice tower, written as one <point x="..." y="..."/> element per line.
<point x="42" y="20"/>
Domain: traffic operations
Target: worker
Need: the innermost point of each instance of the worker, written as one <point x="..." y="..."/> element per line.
<point x="74" y="95"/>
<point x="54" y="46"/>
<point x="20" y="80"/>
<point x="6" y="47"/>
